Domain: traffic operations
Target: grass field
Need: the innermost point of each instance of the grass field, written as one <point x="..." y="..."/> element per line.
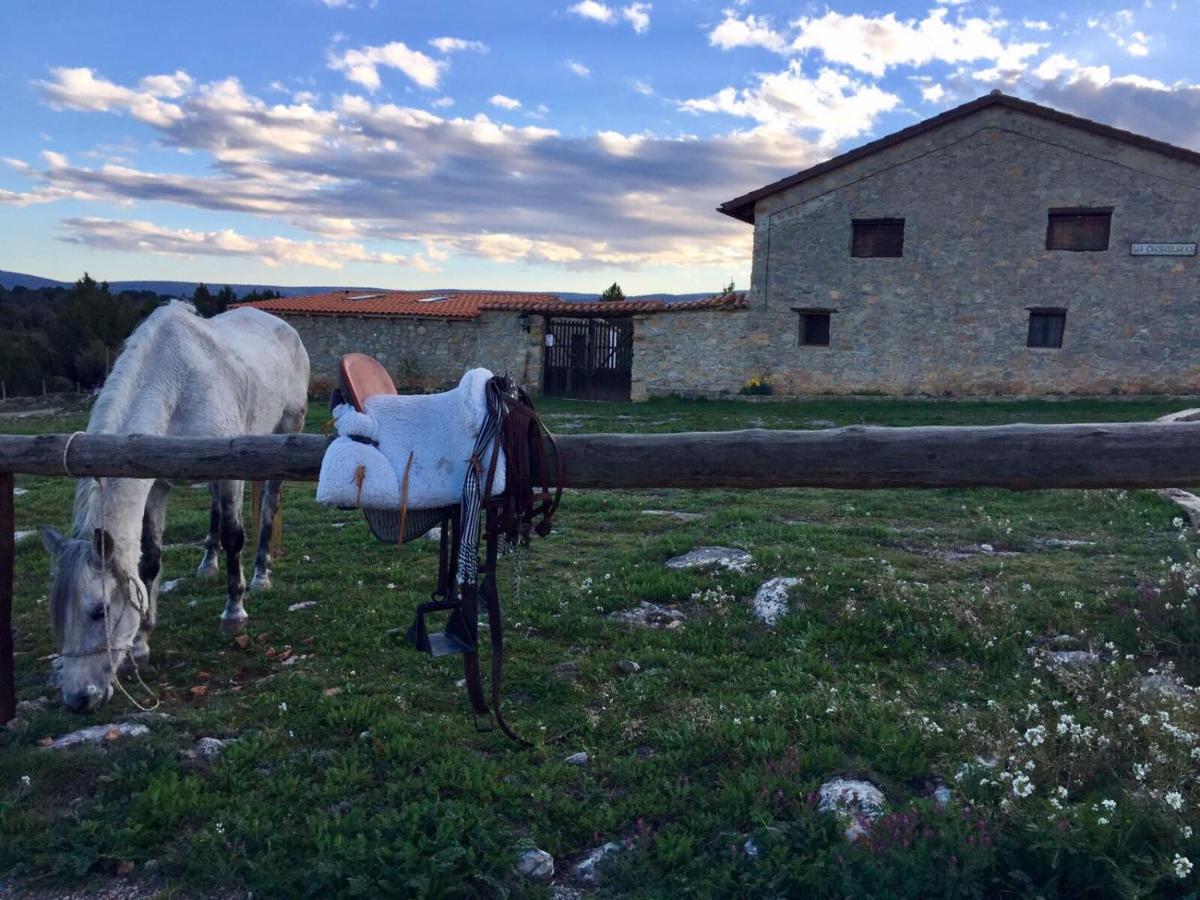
<point x="914" y="656"/>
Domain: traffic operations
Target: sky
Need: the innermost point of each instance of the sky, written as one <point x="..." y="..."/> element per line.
<point x="517" y="145"/>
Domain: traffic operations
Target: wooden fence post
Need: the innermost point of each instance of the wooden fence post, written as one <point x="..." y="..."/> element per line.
<point x="8" y="553"/>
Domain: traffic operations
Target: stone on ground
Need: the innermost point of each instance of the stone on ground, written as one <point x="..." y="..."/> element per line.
<point x="1072" y="659"/>
<point x="677" y="515"/>
<point x="307" y="604"/>
<point x="650" y="615"/>
<point x="96" y="734"/>
<point x="167" y="586"/>
<point x="860" y="802"/>
<point x="577" y="759"/>
<point x="19" y="536"/>
<point x="586" y="868"/>
<point x="771" y="600"/>
<point x="206" y="748"/>
<point x="712" y="557"/>
<point x="1162" y="685"/>
<point x="537" y="864"/>
<point x="628" y="667"/>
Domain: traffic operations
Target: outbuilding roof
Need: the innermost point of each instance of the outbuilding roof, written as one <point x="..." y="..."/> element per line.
<point x="743" y="207"/>
<point x="469" y="304"/>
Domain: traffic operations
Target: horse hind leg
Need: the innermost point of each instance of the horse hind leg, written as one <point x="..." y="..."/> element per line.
<point x="209" y="566"/>
<point x="262" y="561"/>
<point x="233" y="538"/>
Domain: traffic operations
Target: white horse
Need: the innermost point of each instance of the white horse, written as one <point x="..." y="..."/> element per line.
<point x="242" y="372"/>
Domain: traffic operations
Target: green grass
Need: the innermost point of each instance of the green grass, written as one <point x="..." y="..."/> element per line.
<point x="356" y="771"/>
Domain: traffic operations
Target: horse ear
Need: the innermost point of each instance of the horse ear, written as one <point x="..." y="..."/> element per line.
<point x="52" y="539"/>
<point x="102" y="545"/>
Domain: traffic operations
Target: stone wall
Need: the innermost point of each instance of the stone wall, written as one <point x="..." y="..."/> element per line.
<point x="951" y="315"/>
<point x="424" y="354"/>
<point x="691" y="353"/>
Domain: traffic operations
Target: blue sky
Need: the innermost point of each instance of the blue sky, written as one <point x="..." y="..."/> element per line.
<point x="503" y="145"/>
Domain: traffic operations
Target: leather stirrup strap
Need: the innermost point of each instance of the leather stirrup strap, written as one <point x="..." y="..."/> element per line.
<point x="470" y="613"/>
<point x="491" y="597"/>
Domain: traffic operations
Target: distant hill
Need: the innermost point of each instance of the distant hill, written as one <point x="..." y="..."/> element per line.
<point x="10" y="280"/>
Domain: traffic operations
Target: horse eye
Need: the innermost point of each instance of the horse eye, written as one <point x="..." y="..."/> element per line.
<point x="98" y="614"/>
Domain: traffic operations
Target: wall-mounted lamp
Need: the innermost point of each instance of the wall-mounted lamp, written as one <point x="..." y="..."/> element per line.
<point x="523" y="320"/>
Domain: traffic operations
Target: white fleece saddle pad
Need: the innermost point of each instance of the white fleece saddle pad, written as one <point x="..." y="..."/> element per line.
<point x="438" y="431"/>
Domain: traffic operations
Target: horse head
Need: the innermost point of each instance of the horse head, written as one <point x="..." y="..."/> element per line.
<point x="96" y="609"/>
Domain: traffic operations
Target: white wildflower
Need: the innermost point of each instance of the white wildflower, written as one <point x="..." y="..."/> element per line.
<point x="1174" y="800"/>
<point x="1022" y="786"/>
<point x="1182" y="866"/>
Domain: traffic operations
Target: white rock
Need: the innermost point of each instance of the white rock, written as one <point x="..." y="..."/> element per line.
<point x="650" y="615"/>
<point x="987" y="548"/>
<point x="536" y="864"/>
<point x="206" y="748"/>
<point x="1164" y="686"/>
<point x="585" y="869"/>
<point x="677" y="515"/>
<point x="307" y="604"/>
<point x="710" y="557"/>
<point x="857" y="801"/>
<point x="771" y="600"/>
<point x="95" y="734"/>
<point x="19" y="492"/>
<point x="1072" y="659"/>
<point x="167" y="586"/>
<point x="941" y="796"/>
<point x="19" y="536"/>
<point x="577" y="759"/>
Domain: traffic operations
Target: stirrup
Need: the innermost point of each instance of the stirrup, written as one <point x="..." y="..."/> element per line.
<point x="455" y="639"/>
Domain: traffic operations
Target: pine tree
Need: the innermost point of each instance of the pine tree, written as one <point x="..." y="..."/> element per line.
<point x="613" y="293"/>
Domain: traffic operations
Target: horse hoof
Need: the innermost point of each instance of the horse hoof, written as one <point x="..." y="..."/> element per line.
<point x="233" y="626"/>
<point x="208" y="570"/>
<point x="260" y="583"/>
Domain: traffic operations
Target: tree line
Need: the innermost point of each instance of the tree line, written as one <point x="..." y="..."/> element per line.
<point x="61" y="339"/>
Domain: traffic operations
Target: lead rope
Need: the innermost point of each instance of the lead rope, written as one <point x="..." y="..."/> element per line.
<point x="136" y="591"/>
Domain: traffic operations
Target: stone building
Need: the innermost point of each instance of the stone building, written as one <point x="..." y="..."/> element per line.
<point x="1001" y="247"/>
<point x="614" y="350"/>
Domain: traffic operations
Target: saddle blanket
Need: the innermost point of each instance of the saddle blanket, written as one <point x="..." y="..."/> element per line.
<point x="431" y="436"/>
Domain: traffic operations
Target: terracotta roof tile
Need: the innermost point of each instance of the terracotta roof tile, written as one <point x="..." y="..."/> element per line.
<point x="468" y="304"/>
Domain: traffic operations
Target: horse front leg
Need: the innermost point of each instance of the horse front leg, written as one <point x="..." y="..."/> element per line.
<point x="262" y="562"/>
<point x="233" y="538"/>
<point x="154" y="521"/>
<point x="208" y="564"/>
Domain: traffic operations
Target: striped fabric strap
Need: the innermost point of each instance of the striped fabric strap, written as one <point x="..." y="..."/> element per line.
<point x="472" y="499"/>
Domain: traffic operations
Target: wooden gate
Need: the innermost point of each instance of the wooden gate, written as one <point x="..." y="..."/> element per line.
<point x="588" y="359"/>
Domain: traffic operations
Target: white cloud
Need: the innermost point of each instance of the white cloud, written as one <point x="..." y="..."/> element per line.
<point x="642" y="87"/>
<point x="382" y="176"/>
<point x="337" y="4"/>
<point x="454" y="45"/>
<point x="637" y="15"/>
<point x="362" y="65"/>
<point x="933" y="93"/>
<point x="832" y="104"/>
<point x="504" y="102"/>
<point x="443" y="102"/>
<point x="750" y="31"/>
<point x="136" y="236"/>
<point x="592" y="9"/>
<point x="578" y="68"/>
<point x="82" y="89"/>
<point x="875" y="44"/>
<point x="1036" y="24"/>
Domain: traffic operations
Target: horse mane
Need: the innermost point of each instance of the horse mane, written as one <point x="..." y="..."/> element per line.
<point x="113" y="404"/>
<point x="69" y="558"/>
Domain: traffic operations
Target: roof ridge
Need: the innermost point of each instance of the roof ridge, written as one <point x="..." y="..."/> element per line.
<point x="742" y="207"/>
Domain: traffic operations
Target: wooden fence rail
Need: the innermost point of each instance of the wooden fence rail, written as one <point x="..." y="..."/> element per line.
<point x="1017" y="457"/>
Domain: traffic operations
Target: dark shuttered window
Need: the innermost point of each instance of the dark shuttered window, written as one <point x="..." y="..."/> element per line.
<point x="1078" y="229"/>
<point x="1046" y="327"/>
<point x="814" y="327"/>
<point x="878" y="237"/>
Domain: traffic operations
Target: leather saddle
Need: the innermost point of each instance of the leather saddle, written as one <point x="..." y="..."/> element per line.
<point x="485" y="438"/>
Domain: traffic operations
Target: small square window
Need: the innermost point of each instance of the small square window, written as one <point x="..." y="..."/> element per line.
<point x="814" y="327"/>
<point x="878" y="237"/>
<point x="1078" y="229"/>
<point x="1046" y="327"/>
